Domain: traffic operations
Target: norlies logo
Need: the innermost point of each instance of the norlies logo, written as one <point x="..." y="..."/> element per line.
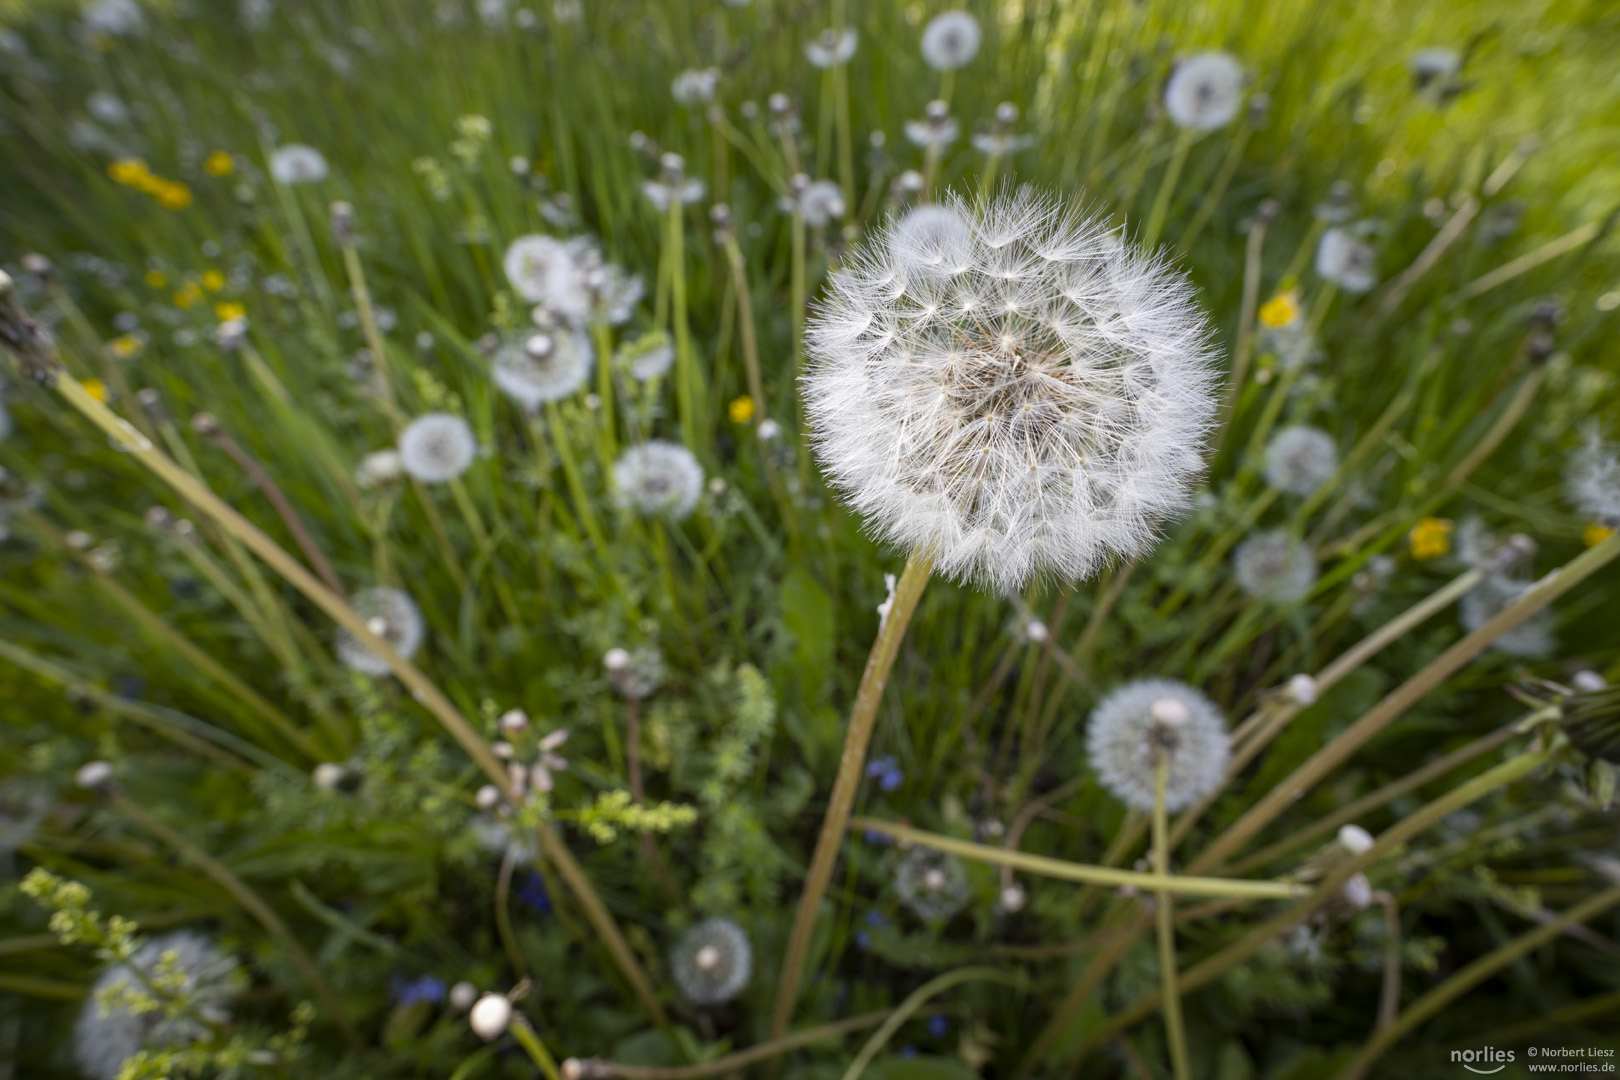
<point x="1489" y="1056"/>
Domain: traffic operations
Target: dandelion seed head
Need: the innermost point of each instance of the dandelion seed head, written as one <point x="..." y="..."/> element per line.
<point x="1205" y="91"/>
<point x="712" y="962"/>
<point x="695" y="87"/>
<point x="635" y="673"/>
<point x="931" y="883"/>
<point x="389" y="614"/>
<point x="950" y="40"/>
<point x="1434" y="65"/>
<point x="1275" y="566"/>
<point x="1531" y="638"/>
<point x="831" y="48"/>
<point x="1349" y="263"/>
<point x="1008" y="387"/>
<point x="936" y="130"/>
<point x="659" y="479"/>
<point x="538" y="368"/>
<point x="207" y="977"/>
<point x="1592" y="480"/>
<point x="296" y="163"/>
<point x="437" y="447"/>
<point x="1481" y="549"/>
<point x="542" y="270"/>
<point x="1300" y="459"/>
<point x="820" y="201"/>
<point x="113" y="18"/>
<point x="1143" y="721"/>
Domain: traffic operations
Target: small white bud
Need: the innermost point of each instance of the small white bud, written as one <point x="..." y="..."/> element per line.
<point x="490" y="1016"/>
<point x="1588" y="681"/>
<point x="327" y="775"/>
<point x="503" y="750"/>
<point x="93" y="774"/>
<point x="616" y="659"/>
<point x="1355" y="839"/>
<point x="1302" y="688"/>
<point x="488" y="797"/>
<point x="769" y="430"/>
<point x="462" y="996"/>
<point x="514" y="720"/>
<point x="1036" y="631"/>
<point x="1013" y="898"/>
<point x="1357" y="892"/>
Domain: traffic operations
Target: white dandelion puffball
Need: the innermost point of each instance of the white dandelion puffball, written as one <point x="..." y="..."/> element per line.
<point x="1010" y="388"/>
<point x="1346" y="261"/>
<point x="950" y="40"/>
<point x="635" y="673"/>
<point x="1432" y="65"/>
<point x="1205" y="91"/>
<point x="695" y="87"/>
<point x="931" y="883"/>
<point x="1592" y="480"/>
<point x="114" y="18"/>
<point x="1301" y="459"/>
<point x="538" y="368"/>
<point x="390" y="614"/>
<point x="820" y="201"/>
<point x="103" y="1039"/>
<point x="543" y="270"/>
<point x="1275" y="566"/>
<point x="712" y="962"/>
<point x="1135" y="725"/>
<point x="437" y="447"/>
<point x="1532" y="637"/>
<point x="832" y="48"/>
<point x="297" y="164"/>
<point x="651" y="358"/>
<point x="659" y="479"/>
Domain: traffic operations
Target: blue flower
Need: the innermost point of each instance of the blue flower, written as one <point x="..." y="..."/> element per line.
<point x="863" y="941"/>
<point x="938" y="1026"/>
<point x="886" y="770"/>
<point x="532" y="893"/>
<point x="872" y="836"/>
<point x="876" y="918"/>
<point x="425" y="989"/>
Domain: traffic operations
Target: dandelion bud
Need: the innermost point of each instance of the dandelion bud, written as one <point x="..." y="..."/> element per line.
<point x="327" y="776"/>
<point x="488" y="797"/>
<point x="490" y="1016"/>
<point x="1588" y="681"/>
<point x="1302" y="688"/>
<point x="616" y="660"/>
<point x="1035" y="632"/>
<point x="1013" y="898"/>
<point x="343" y="223"/>
<point x="94" y="776"/>
<point x="1355" y="839"/>
<point x="462" y="996"/>
<point x="205" y="424"/>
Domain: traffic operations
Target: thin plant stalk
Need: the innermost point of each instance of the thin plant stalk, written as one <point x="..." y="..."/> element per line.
<point x="1530" y="260"/>
<point x="571" y="473"/>
<point x="1080" y="656"/>
<point x="534" y="1047"/>
<point x="606" y="437"/>
<point x="863" y="718"/>
<point x="1167" y="187"/>
<point x="730" y="1063"/>
<point x="1165" y="914"/>
<point x="908" y="1008"/>
<point x="1212" y="195"/>
<point x="846" y="142"/>
<point x="688" y="382"/>
<point x="503" y="913"/>
<point x="1248" y="307"/>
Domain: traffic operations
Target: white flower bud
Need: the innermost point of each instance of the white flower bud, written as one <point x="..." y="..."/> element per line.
<point x="1013" y="898"/>
<point x="327" y="775"/>
<point x="490" y="1016"/>
<point x="462" y="996"/>
<point x="1302" y="688"/>
<point x="1355" y="839"/>
<point x="488" y="797"/>
<point x="514" y="720"/>
<point x="1357" y="892"/>
<point x="93" y="775"/>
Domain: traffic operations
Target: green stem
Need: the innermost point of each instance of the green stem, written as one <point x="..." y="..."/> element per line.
<point x="732" y="1062"/>
<point x="1164" y="911"/>
<point x="526" y="1037"/>
<point x="914" y="1001"/>
<point x="1167" y="186"/>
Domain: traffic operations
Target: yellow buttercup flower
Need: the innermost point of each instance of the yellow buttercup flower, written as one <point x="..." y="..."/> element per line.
<point x="125" y="347"/>
<point x="219" y="163"/>
<point x="213" y="280"/>
<point x="226" y="310"/>
<point x="173" y="196"/>
<point x="96" y="389"/>
<point x="188" y="297"/>
<point x="1430" y="538"/>
<point x="156" y="279"/>
<point x="742" y="410"/>
<point x="1596" y="533"/>
<point x="129" y="171"/>
<point x="1280" y="310"/>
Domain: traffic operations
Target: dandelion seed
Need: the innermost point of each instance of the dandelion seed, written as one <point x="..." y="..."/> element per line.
<point x="820" y="201"/>
<point x="297" y="164"/>
<point x="1143" y="721"/>
<point x="659" y="479"/>
<point x="114" y="1024"/>
<point x="673" y="185"/>
<point x="1205" y="91"/>
<point x="1275" y="566"/>
<point x="437" y="447"/>
<point x="389" y="614"/>
<point x="1592" y="480"/>
<point x="832" y="48"/>
<point x="113" y="18"/>
<point x="1300" y="459"/>
<point x="712" y="962"/>
<point x="1347" y="262"/>
<point x="635" y="673"/>
<point x="695" y="87"/>
<point x="936" y="130"/>
<point x="1011" y="388"/>
<point x="1530" y="638"/>
<point x="950" y="40"/>
<point x="931" y="883"/>
<point x="542" y="367"/>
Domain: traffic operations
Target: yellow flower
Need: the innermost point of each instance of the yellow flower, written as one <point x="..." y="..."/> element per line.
<point x="1596" y="533"/>
<point x="1430" y="538"/>
<point x="124" y="347"/>
<point x="129" y="171"/>
<point x="188" y="296"/>
<point x="742" y="410"/>
<point x="156" y="279"/>
<point x="1280" y="310"/>
<point x="219" y="163"/>
<point x="213" y="281"/>
<point x="96" y="389"/>
<point x="174" y="196"/>
<point x="226" y="310"/>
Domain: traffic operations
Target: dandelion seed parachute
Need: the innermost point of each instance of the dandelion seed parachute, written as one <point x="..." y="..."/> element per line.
<point x="1275" y="566"/>
<point x="1205" y="91"/>
<point x="659" y="479"/>
<point x="437" y="447"/>
<point x="950" y="40"/>
<point x="931" y="883"/>
<point x="1347" y="262"/>
<point x="104" y="1040"/>
<point x="538" y="368"/>
<point x="712" y="962"/>
<point x="1133" y="726"/>
<point x="296" y="163"/>
<point x="1301" y="459"/>
<point x="390" y="614"/>
<point x="1009" y="387"/>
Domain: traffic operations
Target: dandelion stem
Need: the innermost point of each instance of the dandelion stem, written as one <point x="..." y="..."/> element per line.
<point x="609" y="1070"/>
<point x="1250" y="304"/>
<point x="250" y="901"/>
<point x="914" y="1001"/>
<point x="526" y="1037"/>
<point x="1212" y="194"/>
<point x="571" y="473"/>
<point x="1164" y="912"/>
<point x="503" y="913"/>
<point x="607" y="442"/>
<point x="846" y="147"/>
<point x="862" y="720"/>
<point x="374" y="339"/>
<point x="1529" y="261"/>
<point x="1167" y="187"/>
<point x="1389" y="1000"/>
<point x="688" y="383"/>
<point x="1080" y="656"/>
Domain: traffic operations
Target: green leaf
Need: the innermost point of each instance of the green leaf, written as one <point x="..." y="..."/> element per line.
<point x="807" y="613"/>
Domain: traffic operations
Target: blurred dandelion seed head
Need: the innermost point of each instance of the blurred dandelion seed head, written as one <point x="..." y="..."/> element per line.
<point x="1205" y="91"/>
<point x="437" y="447"/>
<point x="931" y="883"/>
<point x="1275" y="566"/>
<point x="296" y="163"/>
<point x="951" y="40"/>
<point x="1141" y="722"/>
<point x="537" y="368"/>
<point x="1300" y="459"/>
<point x="389" y="614"/>
<point x="659" y="479"/>
<point x="831" y="48"/>
<point x="712" y="962"/>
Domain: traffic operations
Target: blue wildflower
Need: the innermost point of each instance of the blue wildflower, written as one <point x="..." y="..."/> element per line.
<point x="938" y="1025"/>
<point x="532" y="893"/>
<point x="886" y="770"/>
<point x="423" y="990"/>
